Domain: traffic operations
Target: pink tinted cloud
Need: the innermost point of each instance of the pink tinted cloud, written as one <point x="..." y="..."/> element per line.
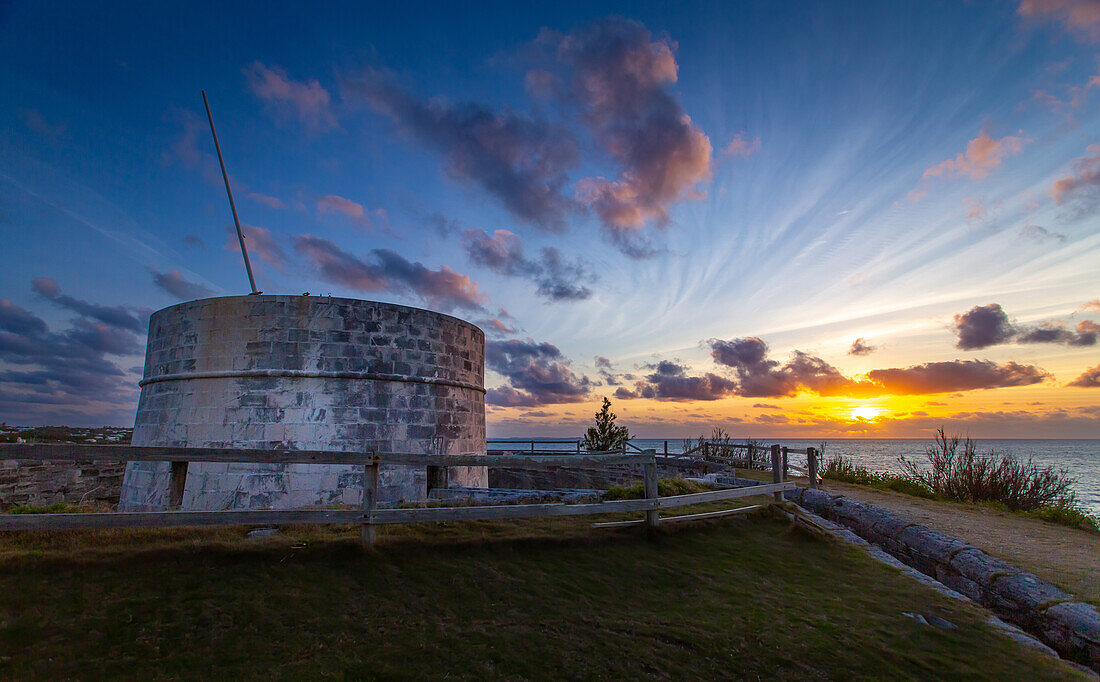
<point x="1081" y="17"/>
<point x="271" y="202"/>
<point x="385" y="270"/>
<point x="308" y="101"/>
<point x="620" y="74"/>
<point x="974" y="209"/>
<point x="982" y="155"/>
<point x="333" y="204"/>
<point x="36" y="122"/>
<point x="259" y="242"/>
<point x="742" y="146"/>
<point x="1090" y="378"/>
<point x="1085" y="177"/>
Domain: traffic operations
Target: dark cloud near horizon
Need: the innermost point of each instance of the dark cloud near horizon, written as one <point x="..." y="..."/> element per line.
<point x="671" y="381"/>
<point x="760" y="377"/>
<point x="955" y="375"/>
<point x="861" y="347"/>
<point x="520" y="160"/>
<point x="503" y="253"/>
<point x="537" y="373"/>
<point x="988" y="325"/>
<point x="176" y="284"/>
<point x="1090" y="378"/>
<point x="385" y="270"/>
<point x="58" y="374"/>
<point x="983" y="326"/>
<point x="118" y="316"/>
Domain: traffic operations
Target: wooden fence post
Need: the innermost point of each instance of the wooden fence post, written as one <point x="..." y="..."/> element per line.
<point x="748" y="457"/>
<point x="785" y="453"/>
<point x="177" y="479"/>
<point x="811" y="465"/>
<point x="652" y="516"/>
<point x="370" y="501"/>
<point x="666" y="448"/>
<point x="777" y="475"/>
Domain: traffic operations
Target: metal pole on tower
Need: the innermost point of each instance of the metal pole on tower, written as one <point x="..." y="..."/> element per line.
<point x="232" y="205"/>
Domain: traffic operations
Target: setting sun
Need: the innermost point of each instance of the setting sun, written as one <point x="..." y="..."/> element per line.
<point x="864" y="412"/>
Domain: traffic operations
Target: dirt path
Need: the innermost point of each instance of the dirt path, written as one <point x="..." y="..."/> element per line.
<point x="1066" y="557"/>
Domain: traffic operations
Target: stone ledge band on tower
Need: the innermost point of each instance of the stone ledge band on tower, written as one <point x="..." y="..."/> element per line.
<point x="309" y="374"/>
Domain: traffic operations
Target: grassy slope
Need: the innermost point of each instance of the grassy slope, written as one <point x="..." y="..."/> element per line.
<point x="743" y="597"/>
<point x="1064" y="556"/>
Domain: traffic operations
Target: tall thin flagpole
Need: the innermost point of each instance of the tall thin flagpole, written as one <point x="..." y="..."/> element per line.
<point x="232" y="205"/>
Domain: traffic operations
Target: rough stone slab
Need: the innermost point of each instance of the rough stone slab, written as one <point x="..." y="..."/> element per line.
<point x="1076" y="626"/>
<point x="1026" y="592"/>
<point x="979" y="567"/>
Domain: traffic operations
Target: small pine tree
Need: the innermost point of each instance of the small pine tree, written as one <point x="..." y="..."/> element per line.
<point x="605" y="435"/>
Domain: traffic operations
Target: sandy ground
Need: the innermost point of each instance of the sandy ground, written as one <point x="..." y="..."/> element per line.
<point x="1066" y="557"/>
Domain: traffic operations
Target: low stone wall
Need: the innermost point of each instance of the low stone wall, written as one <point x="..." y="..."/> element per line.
<point x="1056" y="617"/>
<point x="44" y="483"/>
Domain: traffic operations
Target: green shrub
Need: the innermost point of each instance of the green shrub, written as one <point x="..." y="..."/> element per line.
<point x="843" y="469"/>
<point x="666" y="487"/>
<point x="1066" y="512"/>
<point x="55" y="508"/>
<point x="966" y="476"/>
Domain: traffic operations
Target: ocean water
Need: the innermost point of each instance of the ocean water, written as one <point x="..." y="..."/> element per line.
<point x="1079" y="457"/>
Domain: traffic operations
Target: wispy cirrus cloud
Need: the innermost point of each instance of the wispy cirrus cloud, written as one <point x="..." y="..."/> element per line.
<point x="385" y="270"/>
<point x="308" y="102"/>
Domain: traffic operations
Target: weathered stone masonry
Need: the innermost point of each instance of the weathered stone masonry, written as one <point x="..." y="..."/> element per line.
<point x="296" y="372"/>
<point x="44" y="483"/>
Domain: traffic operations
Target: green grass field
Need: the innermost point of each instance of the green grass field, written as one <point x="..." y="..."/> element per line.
<point x="744" y="597"/>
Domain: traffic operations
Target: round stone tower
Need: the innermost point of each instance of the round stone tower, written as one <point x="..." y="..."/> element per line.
<point x="306" y="373"/>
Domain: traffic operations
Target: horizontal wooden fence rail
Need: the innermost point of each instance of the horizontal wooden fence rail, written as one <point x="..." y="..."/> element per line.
<point x="368" y="516"/>
<point x="134" y="453"/>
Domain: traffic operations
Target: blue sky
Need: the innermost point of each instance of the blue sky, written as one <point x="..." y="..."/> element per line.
<point x="668" y="176"/>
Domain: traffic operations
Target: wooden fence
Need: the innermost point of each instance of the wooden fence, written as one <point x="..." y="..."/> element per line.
<point x="368" y="515"/>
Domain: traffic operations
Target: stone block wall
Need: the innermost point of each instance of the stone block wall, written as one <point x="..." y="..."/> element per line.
<point x="1069" y="626"/>
<point x="305" y="373"/>
<point x="45" y="483"/>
